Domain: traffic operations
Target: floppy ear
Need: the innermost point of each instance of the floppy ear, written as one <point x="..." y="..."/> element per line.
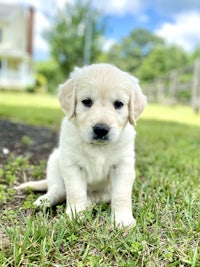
<point x="67" y="97"/>
<point x="137" y="103"/>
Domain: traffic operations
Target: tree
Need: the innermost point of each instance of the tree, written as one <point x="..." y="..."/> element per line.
<point x="160" y="61"/>
<point x="51" y="72"/>
<point x="195" y="54"/>
<point x="131" y="51"/>
<point x="67" y="36"/>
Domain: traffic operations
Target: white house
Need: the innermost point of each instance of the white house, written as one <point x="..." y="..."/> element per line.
<point x="16" y="46"/>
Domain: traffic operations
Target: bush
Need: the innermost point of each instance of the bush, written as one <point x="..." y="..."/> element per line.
<point x="41" y="81"/>
<point x="31" y="89"/>
<point x="49" y="74"/>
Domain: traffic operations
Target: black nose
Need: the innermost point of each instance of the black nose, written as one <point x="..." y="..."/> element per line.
<point x="101" y="131"/>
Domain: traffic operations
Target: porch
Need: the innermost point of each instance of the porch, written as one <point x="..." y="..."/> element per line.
<point x="15" y="73"/>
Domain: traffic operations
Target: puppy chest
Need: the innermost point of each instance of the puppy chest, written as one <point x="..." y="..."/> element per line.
<point x="96" y="169"/>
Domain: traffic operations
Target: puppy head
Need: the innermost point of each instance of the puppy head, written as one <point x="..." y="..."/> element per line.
<point x="100" y="100"/>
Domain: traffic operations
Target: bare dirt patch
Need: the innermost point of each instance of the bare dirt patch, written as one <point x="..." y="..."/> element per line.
<point x="25" y="140"/>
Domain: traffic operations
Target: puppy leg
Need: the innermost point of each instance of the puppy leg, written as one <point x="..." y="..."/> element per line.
<point x="76" y="188"/>
<point x="122" y="181"/>
<point x="56" y="189"/>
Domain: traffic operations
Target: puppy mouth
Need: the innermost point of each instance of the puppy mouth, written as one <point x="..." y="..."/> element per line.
<point x="100" y="141"/>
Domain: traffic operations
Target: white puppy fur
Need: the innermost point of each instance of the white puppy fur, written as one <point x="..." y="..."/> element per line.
<point x="95" y="158"/>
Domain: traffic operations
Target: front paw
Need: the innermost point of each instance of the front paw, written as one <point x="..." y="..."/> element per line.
<point x="75" y="212"/>
<point x="42" y="201"/>
<point x="124" y="219"/>
<point x="70" y="213"/>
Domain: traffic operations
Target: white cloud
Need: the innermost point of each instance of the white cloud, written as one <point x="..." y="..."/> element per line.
<point x="107" y="43"/>
<point x="61" y="3"/>
<point x="119" y="7"/>
<point x="34" y="3"/>
<point x="184" y="31"/>
<point x="41" y="24"/>
<point x="113" y="7"/>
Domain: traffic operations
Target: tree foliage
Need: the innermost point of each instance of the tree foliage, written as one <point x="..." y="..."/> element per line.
<point x="160" y="61"/>
<point x="67" y="36"/>
<point x="51" y="71"/>
<point x="147" y="55"/>
<point x="195" y="54"/>
<point x="132" y="50"/>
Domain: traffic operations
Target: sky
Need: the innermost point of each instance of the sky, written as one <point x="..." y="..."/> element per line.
<point x="177" y="21"/>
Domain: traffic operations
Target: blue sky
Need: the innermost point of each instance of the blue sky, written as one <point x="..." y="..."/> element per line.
<point x="177" y="21"/>
<point x="121" y="26"/>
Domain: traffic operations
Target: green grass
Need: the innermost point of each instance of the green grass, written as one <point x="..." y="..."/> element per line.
<point x="179" y="114"/>
<point x="35" y="109"/>
<point x="166" y="204"/>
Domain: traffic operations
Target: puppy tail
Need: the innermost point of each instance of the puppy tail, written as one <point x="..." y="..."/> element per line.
<point x="34" y="185"/>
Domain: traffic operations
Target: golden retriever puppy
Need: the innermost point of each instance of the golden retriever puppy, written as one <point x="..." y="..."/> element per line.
<point x="95" y="158"/>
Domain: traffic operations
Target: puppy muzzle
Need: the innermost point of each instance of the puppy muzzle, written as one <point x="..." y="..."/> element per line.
<point x="101" y="132"/>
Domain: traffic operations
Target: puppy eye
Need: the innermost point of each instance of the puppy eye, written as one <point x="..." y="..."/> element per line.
<point x="118" y="104"/>
<point x="87" y="102"/>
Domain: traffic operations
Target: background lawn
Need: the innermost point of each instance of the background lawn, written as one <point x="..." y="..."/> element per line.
<point x="166" y="199"/>
<point x="35" y="109"/>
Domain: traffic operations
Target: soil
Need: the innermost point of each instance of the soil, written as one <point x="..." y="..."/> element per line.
<point x="24" y="140"/>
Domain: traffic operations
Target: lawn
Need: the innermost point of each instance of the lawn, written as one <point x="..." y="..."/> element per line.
<point x="35" y="109"/>
<point x="166" y="199"/>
